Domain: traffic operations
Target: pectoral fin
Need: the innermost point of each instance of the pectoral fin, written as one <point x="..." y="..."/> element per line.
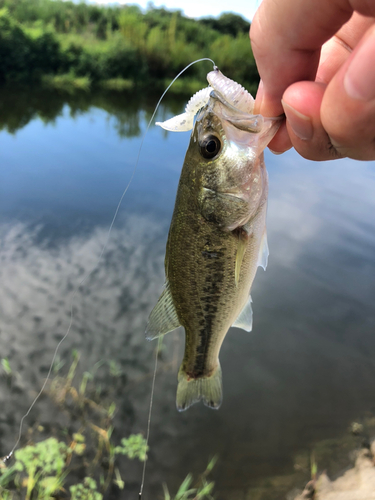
<point x="263" y="251"/>
<point x="245" y="318"/>
<point x="163" y="317"/>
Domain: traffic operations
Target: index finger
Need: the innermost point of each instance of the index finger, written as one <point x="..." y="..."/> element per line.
<point x="286" y="38"/>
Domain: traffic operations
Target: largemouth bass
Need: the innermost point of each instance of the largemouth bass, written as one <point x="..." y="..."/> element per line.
<point x="217" y="237"/>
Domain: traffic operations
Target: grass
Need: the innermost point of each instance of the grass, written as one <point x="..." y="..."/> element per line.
<point x="200" y="491"/>
<point x="185" y="86"/>
<point x="117" y="84"/>
<point x="67" y="82"/>
<point x="6" y="367"/>
<point x="46" y="468"/>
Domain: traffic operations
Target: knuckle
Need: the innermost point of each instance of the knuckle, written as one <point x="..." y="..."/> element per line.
<point x="350" y="126"/>
<point x="364" y="152"/>
<point x="354" y="140"/>
<point x="320" y="148"/>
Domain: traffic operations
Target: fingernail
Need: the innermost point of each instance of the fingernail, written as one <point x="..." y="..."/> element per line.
<point x="359" y="81"/>
<point x="276" y="152"/>
<point x="301" y="124"/>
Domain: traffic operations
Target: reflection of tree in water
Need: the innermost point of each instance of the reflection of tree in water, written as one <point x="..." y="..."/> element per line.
<point x="110" y="313"/>
<point x="127" y="123"/>
<point x="111" y="309"/>
<point x="20" y="106"/>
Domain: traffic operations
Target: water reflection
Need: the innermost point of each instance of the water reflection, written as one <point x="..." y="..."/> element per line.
<point x="302" y="375"/>
<point x="127" y="109"/>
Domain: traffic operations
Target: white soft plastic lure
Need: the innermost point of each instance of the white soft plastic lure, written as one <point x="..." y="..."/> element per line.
<point x="185" y="121"/>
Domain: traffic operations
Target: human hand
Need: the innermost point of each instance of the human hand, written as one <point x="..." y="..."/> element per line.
<point x="316" y="59"/>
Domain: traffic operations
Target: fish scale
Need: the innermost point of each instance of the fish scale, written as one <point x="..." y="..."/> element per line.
<point x="217" y="236"/>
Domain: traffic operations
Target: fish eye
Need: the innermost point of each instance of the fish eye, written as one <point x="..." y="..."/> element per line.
<point x="210" y="146"/>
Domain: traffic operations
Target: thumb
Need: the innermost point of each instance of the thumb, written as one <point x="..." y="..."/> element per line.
<point x="326" y="122"/>
<point x="348" y="105"/>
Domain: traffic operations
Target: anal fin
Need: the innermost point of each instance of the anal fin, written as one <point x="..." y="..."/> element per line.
<point x="245" y="318"/>
<point x="163" y="317"/>
<point x="191" y="390"/>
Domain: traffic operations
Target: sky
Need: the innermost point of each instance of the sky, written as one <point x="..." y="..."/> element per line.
<point x="198" y="8"/>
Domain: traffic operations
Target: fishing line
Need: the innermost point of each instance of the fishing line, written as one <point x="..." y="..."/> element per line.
<point x="160" y="340"/>
<point x="76" y="290"/>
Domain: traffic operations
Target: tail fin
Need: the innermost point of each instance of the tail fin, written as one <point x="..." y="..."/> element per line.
<point x="191" y="390"/>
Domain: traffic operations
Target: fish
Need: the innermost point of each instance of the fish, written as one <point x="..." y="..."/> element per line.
<point x="217" y="237"/>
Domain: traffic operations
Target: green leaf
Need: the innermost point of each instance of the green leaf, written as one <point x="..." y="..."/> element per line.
<point x="167" y="496"/>
<point x="80" y="438"/>
<point x="118" y="481"/>
<point x="185" y="484"/>
<point x="6" y="366"/>
<point x="205" y="490"/>
<point x="134" y="446"/>
<point x="111" y="410"/>
<point x="212" y="463"/>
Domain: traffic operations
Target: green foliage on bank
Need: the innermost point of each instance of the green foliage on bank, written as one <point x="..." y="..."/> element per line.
<point x="82" y="462"/>
<point x="123" y="45"/>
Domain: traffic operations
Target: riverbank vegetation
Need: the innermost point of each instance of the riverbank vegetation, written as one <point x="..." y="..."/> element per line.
<point x="77" y="458"/>
<point x="78" y="45"/>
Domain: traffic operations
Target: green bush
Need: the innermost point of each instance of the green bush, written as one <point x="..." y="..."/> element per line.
<point x="55" y="37"/>
<point x="45" y="469"/>
<point x="25" y="54"/>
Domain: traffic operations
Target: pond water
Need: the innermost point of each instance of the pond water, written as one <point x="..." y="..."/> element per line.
<point x="302" y="375"/>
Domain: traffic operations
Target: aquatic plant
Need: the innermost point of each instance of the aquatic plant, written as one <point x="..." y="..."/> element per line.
<point x="85" y="491"/>
<point x="40" y="467"/>
<point x="45" y="468"/>
<point x="134" y="446"/>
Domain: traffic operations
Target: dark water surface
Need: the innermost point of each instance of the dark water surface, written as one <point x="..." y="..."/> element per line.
<point x="304" y="373"/>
